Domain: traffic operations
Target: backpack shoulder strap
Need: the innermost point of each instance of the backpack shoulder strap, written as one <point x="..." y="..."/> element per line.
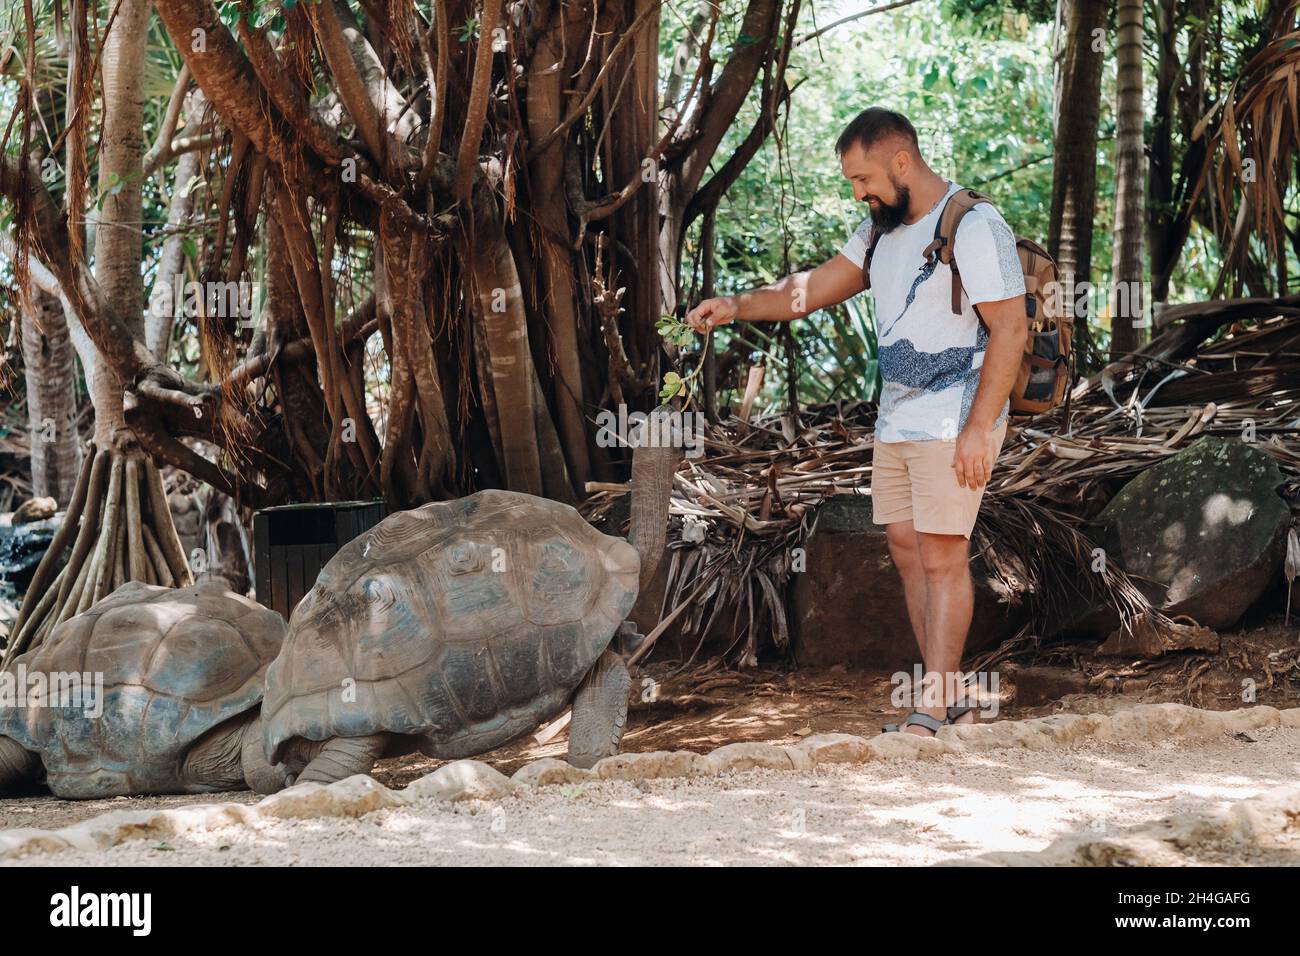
<point x="954" y="210"/>
<point x="866" y="260"/>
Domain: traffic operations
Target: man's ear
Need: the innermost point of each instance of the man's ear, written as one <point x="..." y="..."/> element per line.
<point x="902" y="163"/>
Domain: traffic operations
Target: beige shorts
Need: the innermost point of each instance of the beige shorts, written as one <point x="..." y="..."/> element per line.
<point x="915" y="481"/>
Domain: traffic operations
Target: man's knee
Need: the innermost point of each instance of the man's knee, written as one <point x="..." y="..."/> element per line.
<point x="943" y="556"/>
<point x="903" y="546"/>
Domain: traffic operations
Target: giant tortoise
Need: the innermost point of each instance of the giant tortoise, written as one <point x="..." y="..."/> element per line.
<point x="458" y="626"/>
<point x="151" y="690"/>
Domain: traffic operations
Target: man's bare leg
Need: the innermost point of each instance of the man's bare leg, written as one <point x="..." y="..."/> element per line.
<point x="948" y="604"/>
<point x="905" y="549"/>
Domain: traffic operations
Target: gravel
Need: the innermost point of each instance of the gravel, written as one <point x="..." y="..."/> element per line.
<point x="900" y="812"/>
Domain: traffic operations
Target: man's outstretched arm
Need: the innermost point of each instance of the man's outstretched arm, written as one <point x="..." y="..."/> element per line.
<point x="796" y="295"/>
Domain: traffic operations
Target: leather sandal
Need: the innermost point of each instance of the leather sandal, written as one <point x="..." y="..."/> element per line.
<point x="931" y="724"/>
<point x="963" y="706"/>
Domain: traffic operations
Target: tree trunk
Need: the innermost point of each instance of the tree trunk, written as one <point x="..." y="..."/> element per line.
<point x="1074" y="172"/>
<point x="118" y="524"/>
<point x="1127" y="292"/>
<point x="118" y="239"/>
<point x="398" y="152"/>
<point x="49" y="363"/>
<point x="171" y="263"/>
<point x="1160" y="175"/>
<point x="557" y="281"/>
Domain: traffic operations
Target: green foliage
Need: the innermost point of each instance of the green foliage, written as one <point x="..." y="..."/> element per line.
<point x="979" y="92"/>
<point x="992" y="14"/>
<point x="671" y="386"/>
<point x="673" y="329"/>
<point x="468" y="30"/>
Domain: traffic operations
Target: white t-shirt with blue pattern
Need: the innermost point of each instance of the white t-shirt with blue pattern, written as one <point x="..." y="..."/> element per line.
<point x="930" y="358"/>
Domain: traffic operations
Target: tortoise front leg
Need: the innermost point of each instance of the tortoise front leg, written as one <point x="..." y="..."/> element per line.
<point x="341" y="757"/>
<point x="259" y="773"/>
<point x="18" y="765"/>
<point x="599" y="711"/>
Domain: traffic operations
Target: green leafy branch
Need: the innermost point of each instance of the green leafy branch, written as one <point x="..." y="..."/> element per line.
<point x="672" y="329"/>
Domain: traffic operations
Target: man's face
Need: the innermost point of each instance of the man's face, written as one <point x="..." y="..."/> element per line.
<point x="877" y="184"/>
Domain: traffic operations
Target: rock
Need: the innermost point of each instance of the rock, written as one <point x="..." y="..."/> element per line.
<point x="1156" y="722"/>
<point x="1206" y="526"/>
<point x="35" y="509"/>
<point x="22" y="546"/>
<point x="835" y="748"/>
<point x="8" y="614"/>
<point x="1066" y="729"/>
<point x="1043" y="685"/>
<point x="799" y="759"/>
<point x="188" y="520"/>
<point x="350" y="797"/>
<point x="548" y="770"/>
<point x="848" y="605"/>
<point x="736" y="758"/>
<point x="904" y="746"/>
<point x="461" y="780"/>
<point x="651" y="766"/>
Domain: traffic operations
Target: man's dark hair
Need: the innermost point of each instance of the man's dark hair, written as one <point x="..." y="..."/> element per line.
<point x="874" y="124"/>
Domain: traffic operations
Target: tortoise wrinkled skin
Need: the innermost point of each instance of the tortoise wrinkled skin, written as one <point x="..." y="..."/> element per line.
<point x="175" y="663"/>
<point x="457" y="626"/>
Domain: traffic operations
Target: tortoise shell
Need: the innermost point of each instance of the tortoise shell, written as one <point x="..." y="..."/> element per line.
<point x="461" y="623"/>
<point x="174" y="663"/>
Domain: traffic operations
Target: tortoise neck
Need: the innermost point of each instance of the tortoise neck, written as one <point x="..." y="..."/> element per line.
<point x="654" y="462"/>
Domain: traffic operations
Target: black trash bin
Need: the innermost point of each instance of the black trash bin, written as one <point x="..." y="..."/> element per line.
<point x="293" y="542"/>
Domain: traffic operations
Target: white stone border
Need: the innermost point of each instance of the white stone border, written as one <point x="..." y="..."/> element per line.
<point x="475" y="780"/>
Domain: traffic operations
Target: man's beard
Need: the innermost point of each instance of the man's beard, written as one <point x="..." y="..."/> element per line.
<point x="886" y="218"/>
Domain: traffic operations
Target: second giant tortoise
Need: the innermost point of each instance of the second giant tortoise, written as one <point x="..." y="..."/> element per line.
<point x="458" y="626"/>
<point x="150" y="690"/>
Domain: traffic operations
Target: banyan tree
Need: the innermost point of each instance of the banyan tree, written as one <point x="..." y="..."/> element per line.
<point x="481" y="207"/>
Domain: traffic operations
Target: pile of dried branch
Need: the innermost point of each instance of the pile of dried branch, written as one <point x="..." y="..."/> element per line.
<point x="744" y="506"/>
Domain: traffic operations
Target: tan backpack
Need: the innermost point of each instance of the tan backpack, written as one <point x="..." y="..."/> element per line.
<point x="1046" y="371"/>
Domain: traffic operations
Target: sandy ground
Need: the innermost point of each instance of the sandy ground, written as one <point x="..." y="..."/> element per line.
<point x="768" y="705"/>
<point x="945" y="809"/>
<point x="916" y="812"/>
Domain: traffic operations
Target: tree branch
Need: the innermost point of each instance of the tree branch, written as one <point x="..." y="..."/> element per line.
<point x="476" y="112"/>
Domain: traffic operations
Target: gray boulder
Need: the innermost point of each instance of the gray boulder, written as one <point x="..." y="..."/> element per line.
<point x="1204" y="530"/>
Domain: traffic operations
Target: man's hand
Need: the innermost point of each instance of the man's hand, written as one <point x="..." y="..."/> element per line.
<point x="974" y="455"/>
<point x="711" y="313"/>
